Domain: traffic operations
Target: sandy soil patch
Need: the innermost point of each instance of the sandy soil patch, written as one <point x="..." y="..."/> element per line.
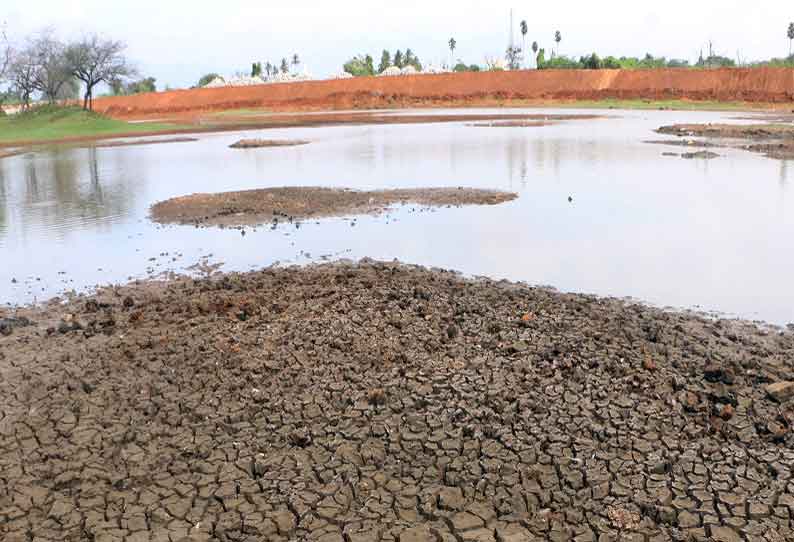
<point x="296" y="203"/>
<point x="387" y="402"/>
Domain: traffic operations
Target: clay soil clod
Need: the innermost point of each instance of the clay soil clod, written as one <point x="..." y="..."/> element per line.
<point x="296" y="203"/>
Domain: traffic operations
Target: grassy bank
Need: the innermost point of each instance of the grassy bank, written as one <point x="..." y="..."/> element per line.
<point x="47" y="124"/>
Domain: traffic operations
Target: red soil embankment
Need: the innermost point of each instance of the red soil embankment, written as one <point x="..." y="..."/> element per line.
<point x="765" y="85"/>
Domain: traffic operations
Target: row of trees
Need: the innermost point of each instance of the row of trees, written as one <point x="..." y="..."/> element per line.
<point x="363" y="65"/>
<point x="56" y="70"/>
<point x="270" y="69"/>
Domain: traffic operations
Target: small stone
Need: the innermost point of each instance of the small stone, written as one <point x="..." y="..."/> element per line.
<point x="518" y="347"/>
<point x="780" y="391"/>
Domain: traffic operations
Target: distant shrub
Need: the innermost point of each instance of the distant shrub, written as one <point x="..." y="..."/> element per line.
<point x="560" y="63"/>
<point x="206" y="79"/>
<point x="461" y="67"/>
<point x="360" y="66"/>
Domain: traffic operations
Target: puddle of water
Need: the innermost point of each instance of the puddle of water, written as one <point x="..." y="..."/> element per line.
<point x="684" y="233"/>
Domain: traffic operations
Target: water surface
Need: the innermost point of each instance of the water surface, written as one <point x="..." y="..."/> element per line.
<point x="711" y="235"/>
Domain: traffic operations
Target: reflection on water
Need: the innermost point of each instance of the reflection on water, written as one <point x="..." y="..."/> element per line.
<point x="670" y="231"/>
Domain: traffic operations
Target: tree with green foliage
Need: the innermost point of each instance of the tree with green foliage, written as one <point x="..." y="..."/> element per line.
<point x="790" y="37"/>
<point x="284" y="66"/>
<point x="558" y="39"/>
<point x="360" y="66"/>
<point x="541" y="58"/>
<point x="207" y="79"/>
<point x="412" y="60"/>
<point x="591" y="62"/>
<point x="399" y="61"/>
<point x="256" y="69"/>
<point x="385" y="61"/>
<point x="452" y="45"/>
<point x="296" y="61"/>
<point x="524" y="31"/>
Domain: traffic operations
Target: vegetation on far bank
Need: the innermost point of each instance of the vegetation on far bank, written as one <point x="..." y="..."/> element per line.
<point x="52" y="123"/>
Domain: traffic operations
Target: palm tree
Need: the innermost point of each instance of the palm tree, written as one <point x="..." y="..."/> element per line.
<point x="790" y="37"/>
<point x="452" y="45"/>
<point x="296" y="60"/>
<point x="524" y="30"/>
<point x="558" y="39"/>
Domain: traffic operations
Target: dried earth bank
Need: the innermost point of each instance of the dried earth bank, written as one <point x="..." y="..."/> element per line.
<point x="462" y="89"/>
<point x="264" y="143"/>
<point x="386" y="402"/>
<point x="296" y="203"/>
<point x="773" y="140"/>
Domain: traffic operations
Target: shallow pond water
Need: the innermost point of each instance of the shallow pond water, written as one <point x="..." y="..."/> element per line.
<point x="705" y="234"/>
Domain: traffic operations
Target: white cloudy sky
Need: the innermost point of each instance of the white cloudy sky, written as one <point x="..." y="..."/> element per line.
<point x="178" y="40"/>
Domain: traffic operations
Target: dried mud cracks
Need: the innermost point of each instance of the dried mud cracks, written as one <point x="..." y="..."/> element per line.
<point x="384" y="402"/>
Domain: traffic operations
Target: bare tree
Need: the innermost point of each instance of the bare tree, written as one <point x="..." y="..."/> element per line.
<point x="94" y="60"/>
<point x="52" y="72"/>
<point x="5" y="52"/>
<point x="21" y="73"/>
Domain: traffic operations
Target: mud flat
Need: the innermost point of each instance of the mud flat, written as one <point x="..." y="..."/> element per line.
<point x="265" y="143"/>
<point x="387" y="402"/>
<point x="772" y="140"/>
<point x="296" y="203"/>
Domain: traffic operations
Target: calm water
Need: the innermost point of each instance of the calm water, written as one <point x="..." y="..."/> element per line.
<point x="713" y="235"/>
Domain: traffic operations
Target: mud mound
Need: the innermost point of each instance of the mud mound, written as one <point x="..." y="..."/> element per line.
<point x="486" y="88"/>
<point x="772" y="140"/>
<point x="386" y="402"/>
<point x="512" y="124"/>
<point x="741" y="131"/>
<point x="295" y="203"/>
<point x="263" y="143"/>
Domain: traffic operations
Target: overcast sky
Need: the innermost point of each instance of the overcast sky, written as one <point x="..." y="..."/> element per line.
<point x="177" y="41"/>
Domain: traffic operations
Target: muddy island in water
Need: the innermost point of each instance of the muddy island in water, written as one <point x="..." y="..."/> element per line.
<point x="379" y="401"/>
<point x="297" y="203"/>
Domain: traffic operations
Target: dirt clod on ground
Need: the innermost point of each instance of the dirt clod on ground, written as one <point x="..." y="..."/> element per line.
<point x="262" y="143"/>
<point x="772" y="140"/>
<point x="332" y="403"/>
<point x="296" y="203"/>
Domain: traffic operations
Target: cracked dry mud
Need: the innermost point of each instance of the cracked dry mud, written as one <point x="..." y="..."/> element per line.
<point x="373" y="401"/>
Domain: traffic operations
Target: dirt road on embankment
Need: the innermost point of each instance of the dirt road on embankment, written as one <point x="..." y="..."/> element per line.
<point x="763" y="85"/>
